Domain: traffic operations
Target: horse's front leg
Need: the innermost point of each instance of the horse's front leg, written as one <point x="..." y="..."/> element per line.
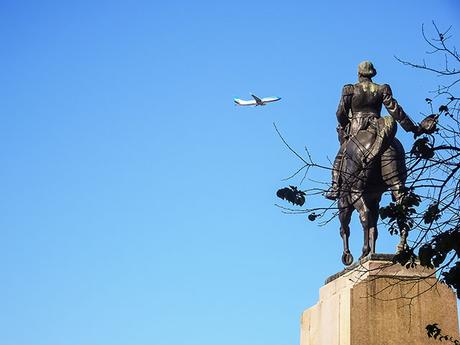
<point x="345" y="212"/>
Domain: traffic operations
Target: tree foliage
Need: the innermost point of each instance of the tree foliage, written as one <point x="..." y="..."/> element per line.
<point x="434" y="164"/>
<point x="433" y="331"/>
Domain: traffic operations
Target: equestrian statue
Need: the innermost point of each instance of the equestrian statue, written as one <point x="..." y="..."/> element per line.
<point x="371" y="160"/>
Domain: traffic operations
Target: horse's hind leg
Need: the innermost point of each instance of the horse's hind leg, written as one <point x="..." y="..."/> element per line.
<point x="344" y="218"/>
<point x="403" y="241"/>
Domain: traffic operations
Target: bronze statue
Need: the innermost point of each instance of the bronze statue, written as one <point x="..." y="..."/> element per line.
<point x="370" y="159"/>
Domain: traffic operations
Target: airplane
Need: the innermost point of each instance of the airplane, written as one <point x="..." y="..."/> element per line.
<point x="256" y="101"/>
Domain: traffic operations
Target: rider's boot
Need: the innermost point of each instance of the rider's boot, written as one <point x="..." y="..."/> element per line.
<point x="333" y="191"/>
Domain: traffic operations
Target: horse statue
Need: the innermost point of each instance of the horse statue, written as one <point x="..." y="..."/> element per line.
<point x="364" y="180"/>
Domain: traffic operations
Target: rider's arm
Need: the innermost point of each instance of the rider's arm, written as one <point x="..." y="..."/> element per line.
<point x="395" y="110"/>
<point x="344" y="106"/>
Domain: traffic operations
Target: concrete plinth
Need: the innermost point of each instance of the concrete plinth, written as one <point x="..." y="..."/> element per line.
<point x="377" y="303"/>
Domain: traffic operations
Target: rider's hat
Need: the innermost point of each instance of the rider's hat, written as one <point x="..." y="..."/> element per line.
<point x="366" y="69"/>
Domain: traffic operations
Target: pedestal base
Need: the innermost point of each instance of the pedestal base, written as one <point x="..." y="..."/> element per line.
<point x="376" y="302"/>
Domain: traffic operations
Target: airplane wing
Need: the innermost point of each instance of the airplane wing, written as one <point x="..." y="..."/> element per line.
<point x="258" y="100"/>
<point x="270" y="99"/>
<point x="242" y="102"/>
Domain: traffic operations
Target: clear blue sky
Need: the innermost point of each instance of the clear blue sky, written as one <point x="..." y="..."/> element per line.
<point x="137" y="202"/>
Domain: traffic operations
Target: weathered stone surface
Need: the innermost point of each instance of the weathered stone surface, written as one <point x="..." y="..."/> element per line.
<point x="376" y="302"/>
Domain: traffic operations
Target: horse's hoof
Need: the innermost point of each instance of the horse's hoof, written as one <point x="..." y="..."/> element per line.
<point x="347" y="258"/>
<point x="365" y="254"/>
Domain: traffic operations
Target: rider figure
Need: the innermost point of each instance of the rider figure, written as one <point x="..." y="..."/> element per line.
<point x="359" y="109"/>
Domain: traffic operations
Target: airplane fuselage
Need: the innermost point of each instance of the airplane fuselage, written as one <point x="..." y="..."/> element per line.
<point x="256" y="101"/>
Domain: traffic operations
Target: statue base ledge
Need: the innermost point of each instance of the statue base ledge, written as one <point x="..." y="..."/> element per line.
<point x="377" y="302"/>
<point x="370" y="257"/>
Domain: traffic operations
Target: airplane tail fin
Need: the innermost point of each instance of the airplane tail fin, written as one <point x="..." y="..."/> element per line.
<point x="258" y="100"/>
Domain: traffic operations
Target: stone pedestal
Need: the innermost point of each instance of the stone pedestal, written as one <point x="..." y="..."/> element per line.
<point x="375" y="302"/>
